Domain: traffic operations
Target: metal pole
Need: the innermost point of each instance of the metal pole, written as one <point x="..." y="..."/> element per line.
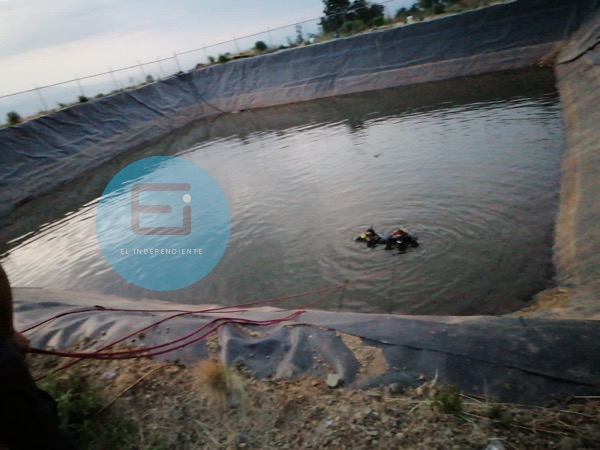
<point x="142" y="70"/>
<point x="79" y="85"/>
<point x="205" y="52"/>
<point x="270" y="37"/>
<point x="39" y="93"/>
<point x="177" y="61"/>
<point x="237" y="47"/>
<point x="114" y="79"/>
<point x="160" y="69"/>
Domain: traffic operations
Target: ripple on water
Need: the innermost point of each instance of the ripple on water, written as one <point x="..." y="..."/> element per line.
<point x="477" y="181"/>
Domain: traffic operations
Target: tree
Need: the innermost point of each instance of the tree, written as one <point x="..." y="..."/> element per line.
<point x="260" y="46"/>
<point x="338" y="12"/>
<point x="13" y="118"/>
<point x="335" y="15"/>
<point x="433" y="6"/>
<point x="401" y="13"/>
<point x="366" y="11"/>
<point x="299" y="35"/>
<point x="352" y="27"/>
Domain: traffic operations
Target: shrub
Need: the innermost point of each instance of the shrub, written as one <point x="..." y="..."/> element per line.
<point x="218" y="384"/>
<point x="352" y="26"/>
<point x="454" y="9"/>
<point x="439" y="8"/>
<point x="83" y="99"/>
<point x="13" y="118"/>
<point x="223" y="58"/>
<point x="80" y="412"/>
<point x="260" y="46"/>
<point x="378" y="21"/>
<point x="448" y="400"/>
<point x="401" y="13"/>
<point x="500" y="415"/>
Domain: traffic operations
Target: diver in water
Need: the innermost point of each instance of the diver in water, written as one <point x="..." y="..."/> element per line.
<point x="370" y="237"/>
<point x="398" y="234"/>
<point x="398" y="238"/>
<point x="401" y="239"/>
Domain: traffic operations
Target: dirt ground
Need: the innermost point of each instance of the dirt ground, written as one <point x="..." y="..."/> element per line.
<point x="156" y="405"/>
<point x="562" y="303"/>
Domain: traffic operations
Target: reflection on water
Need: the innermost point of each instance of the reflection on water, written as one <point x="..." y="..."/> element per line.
<point x="471" y="166"/>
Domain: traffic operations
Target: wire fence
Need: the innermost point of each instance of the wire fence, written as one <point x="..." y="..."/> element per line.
<point x="51" y="97"/>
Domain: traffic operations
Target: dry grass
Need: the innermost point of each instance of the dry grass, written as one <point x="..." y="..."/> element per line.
<point x="217" y="384"/>
<point x="213" y="407"/>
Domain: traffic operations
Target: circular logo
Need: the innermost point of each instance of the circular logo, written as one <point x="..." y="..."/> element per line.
<point x="163" y="223"/>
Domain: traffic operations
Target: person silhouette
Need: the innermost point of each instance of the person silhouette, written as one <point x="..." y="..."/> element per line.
<point x="28" y="415"/>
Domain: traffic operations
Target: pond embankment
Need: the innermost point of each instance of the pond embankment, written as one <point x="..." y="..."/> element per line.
<point x="528" y="360"/>
<point x="39" y="155"/>
<point x="577" y="242"/>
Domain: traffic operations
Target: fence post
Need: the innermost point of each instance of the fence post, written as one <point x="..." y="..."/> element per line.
<point x="114" y="79"/>
<point x="142" y="70"/>
<point x="160" y="69"/>
<point x="177" y="61"/>
<point x="79" y="85"/>
<point x="44" y="105"/>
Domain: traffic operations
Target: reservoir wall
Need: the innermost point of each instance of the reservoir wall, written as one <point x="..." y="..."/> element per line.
<point x="40" y="155"/>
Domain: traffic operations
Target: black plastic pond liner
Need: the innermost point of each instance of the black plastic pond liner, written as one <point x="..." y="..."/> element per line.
<point x="524" y="360"/>
<point x="577" y="247"/>
<point x="41" y="154"/>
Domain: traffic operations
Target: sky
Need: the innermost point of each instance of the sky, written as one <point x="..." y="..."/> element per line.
<point x="49" y="41"/>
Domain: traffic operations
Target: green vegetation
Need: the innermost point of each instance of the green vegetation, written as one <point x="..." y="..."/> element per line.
<point x="352" y="27"/>
<point x="80" y="406"/>
<point x="13" y="118"/>
<point x="423" y="8"/>
<point x="148" y="405"/>
<point x="342" y="17"/>
<point x="448" y="400"/>
<point x="224" y="57"/>
<point x="340" y="12"/>
<point x="500" y="415"/>
<point x="260" y="46"/>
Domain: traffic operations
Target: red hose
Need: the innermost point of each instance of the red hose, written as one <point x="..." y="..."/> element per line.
<point x="195" y="336"/>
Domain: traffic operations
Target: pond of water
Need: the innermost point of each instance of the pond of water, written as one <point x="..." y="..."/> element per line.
<point x="471" y="166"/>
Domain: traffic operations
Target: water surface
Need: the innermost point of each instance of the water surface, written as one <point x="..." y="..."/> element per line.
<point x="470" y="166"/>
